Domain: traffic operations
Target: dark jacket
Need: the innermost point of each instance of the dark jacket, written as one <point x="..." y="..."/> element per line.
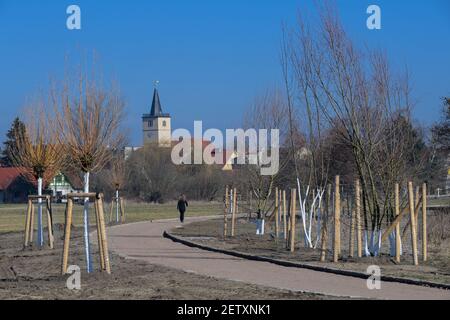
<point x="182" y="204"/>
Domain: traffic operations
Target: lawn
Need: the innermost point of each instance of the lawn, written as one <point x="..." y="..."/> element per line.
<point x="443" y="201"/>
<point x="12" y="217"/>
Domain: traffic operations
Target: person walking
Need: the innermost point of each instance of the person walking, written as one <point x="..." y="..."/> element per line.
<point x="181" y="206"/>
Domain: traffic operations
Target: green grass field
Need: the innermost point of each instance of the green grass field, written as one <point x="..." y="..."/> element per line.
<point x="12" y="217"/>
<point x="442" y="201"/>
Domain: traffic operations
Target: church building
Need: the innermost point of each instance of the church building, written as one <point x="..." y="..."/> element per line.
<point x="157" y="130"/>
<point x="156" y="125"/>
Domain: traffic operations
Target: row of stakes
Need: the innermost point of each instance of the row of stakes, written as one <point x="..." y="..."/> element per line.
<point x="97" y="199"/>
<point x="286" y="215"/>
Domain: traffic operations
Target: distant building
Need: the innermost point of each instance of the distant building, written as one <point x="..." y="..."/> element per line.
<point x="156" y="125"/>
<point x="16" y="184"/>
<point x="157" y="130"/>
<point x="63" y="184"/>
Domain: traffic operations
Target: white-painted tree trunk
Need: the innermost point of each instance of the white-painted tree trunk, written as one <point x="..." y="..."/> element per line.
<point x="373" y="248"/>
<point x="307" y="219"/>
<point x="376" y="246"/>
<point x="392" y="244"/>
<point x="260" y="227"/>
<point x="87" y="246"/>
<point x="40" y="231"/>
<point x="320" y="220"/>
<point x="302" y="204"/>
<point x="117" y="206"/>
<point x="366" y="244"/>
<point x="392" y="241"/>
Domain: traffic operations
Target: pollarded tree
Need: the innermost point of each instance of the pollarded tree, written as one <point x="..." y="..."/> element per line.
<point x="89" y="119"/>
<point x="37" y="149"/>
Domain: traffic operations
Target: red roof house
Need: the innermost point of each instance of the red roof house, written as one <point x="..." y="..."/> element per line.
<point x="16" y="184"/>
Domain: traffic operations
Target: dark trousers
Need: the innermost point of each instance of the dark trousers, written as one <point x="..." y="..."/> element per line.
<point x="182" y="216"/>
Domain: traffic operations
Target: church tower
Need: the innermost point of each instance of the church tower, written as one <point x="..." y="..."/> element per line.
<point x="157" y="125"/>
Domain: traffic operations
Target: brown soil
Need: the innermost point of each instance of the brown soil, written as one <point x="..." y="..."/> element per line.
<point x="210" y="233"/>
<point x="35" y="274"/>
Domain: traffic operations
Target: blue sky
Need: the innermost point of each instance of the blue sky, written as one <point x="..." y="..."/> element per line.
<point x="211" y="57"/>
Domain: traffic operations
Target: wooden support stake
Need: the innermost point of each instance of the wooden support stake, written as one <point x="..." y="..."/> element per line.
<point x="424" y="223"/>
<point x="50" y="223"/>
<point x="397" y="228"/>
<point x="397" y="221"/>
<point x="122" y="210"/>
<point x="277" y="216"/>
<point x="337" y="221"/>
<point x="27" y="224"/>
<point x="99" y="236"/>
<point x="413" y="224"/>
<point x="250" y="205"/>
<point x="358" y="218"/>
<point x="351" y="248"/>
<point x="293" y="216"/>
<point x="233" y="214"/>
<point x="104" y="238"/>
<point x="67" y="235"/>
<point x="225" y="213"/>
<point x="111" y="209"/>
<point x="416" y="213"/>
<point x="32" y="222"/>
<point x="284" y="215"/>
<point x="323" y="253"/>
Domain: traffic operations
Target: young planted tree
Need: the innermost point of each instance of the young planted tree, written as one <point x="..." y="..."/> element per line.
<point x="118" y="180"/>
<point x="37" y="149"/>
<point x="268" y="112"/>
<point x="310" y="160"/>
<point x="356" y="95"/>
<point x="89" y="119"/>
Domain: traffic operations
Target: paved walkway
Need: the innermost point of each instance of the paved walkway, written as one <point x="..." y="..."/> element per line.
<point x="144" y="241"/>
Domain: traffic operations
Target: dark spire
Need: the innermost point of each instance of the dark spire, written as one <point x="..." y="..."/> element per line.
<point x="156" y="105"/>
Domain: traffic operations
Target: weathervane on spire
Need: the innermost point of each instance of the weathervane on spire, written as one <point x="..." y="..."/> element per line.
<point x="156" y="83"/>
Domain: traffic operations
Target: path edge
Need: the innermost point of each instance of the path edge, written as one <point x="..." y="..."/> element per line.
<point x="292" y="264"/>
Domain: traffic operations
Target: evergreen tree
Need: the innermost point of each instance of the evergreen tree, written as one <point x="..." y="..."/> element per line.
<point x="6" y="158"/>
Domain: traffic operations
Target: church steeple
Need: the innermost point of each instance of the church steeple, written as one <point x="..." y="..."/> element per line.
<point x="156" y="125"/>
<point x="156" y="105"/>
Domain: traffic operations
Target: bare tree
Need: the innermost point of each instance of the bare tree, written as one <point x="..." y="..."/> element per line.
<point x="117" y="178"/>
<point x="359" y="97"/>
<point x="269" y="111"/>
<point x="89" y="119"/>
<point x="151" y="175"/>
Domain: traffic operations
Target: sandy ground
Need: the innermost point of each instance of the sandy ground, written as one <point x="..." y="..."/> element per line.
<point x="437" y="269"/>
<point x="35" y="274"/>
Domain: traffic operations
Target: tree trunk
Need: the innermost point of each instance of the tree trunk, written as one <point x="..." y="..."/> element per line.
<point x="117" y="205"/>
<point x="87" y="246"/>
<point x="40" y="237"/>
